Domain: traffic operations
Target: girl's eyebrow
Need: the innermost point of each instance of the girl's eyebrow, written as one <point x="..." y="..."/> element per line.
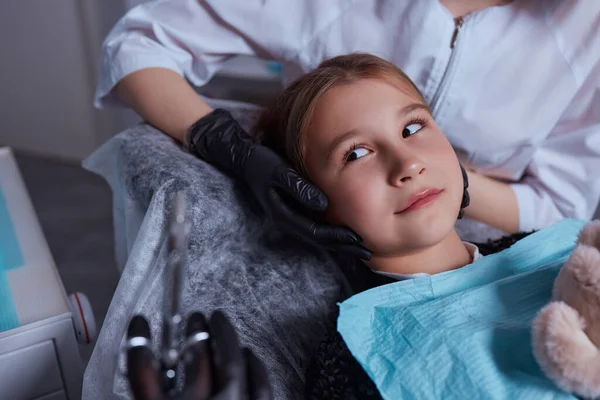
<point x="338" y="141"/>
<point x="413" y="107"/>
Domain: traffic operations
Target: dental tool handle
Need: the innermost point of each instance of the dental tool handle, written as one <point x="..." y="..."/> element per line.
<point x="142" y="367"/>
<point x="178" y="236"/>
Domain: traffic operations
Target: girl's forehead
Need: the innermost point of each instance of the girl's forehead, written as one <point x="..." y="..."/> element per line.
<point x="348" y="93"/>
<point x="348" y="103"/>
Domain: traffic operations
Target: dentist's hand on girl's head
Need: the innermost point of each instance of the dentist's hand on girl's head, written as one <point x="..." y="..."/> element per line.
<point x="272" y="179"/>
<point x="220" y="140"/>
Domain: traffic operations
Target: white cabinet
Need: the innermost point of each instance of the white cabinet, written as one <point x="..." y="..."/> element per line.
<point x="36" y="364"/>
<point x="39" y="354"/>
<point x="41" y="361"/>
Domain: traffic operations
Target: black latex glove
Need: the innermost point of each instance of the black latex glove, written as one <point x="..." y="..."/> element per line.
<point x="216" y="368"/>
<point x="220" y="140"/>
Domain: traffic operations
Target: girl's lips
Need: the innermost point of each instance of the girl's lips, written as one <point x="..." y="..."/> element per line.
<point x="420" y="200"/>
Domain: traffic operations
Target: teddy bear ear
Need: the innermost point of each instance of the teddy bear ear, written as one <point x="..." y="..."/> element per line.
<point x="590" y="234"/>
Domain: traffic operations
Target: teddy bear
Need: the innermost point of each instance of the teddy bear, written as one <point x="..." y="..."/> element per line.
<point x="566" y="332"/>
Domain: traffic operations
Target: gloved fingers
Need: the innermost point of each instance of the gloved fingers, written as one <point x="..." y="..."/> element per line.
<point x="355" y="250"/>
<point x="300" y="190"/>
<point x="334" y="234"/>
<point x="142" y="367"/>
<point x="466" y="198"/>
<point x="258" y="378"/>
<point x="309" y="228"/>
<point x="228" y="362"/>
<point x="197" y="358"/>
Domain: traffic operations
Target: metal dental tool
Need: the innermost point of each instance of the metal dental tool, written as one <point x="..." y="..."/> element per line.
<point x="210" y="358"/>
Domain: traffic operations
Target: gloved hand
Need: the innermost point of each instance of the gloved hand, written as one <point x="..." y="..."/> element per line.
<point x="220" y="140"/>
<point x="216" y="368"/>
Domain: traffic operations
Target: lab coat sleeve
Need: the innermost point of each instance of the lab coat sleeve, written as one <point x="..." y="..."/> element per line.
<point x="189" y="37"/>
<point x="166" y="34"/>
<point x="563" y="178"/>
<point x="195" y="37"/>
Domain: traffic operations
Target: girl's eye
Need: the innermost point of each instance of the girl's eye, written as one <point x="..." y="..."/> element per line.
<point x="411" y="129"/>
<point x="356" y="153"/>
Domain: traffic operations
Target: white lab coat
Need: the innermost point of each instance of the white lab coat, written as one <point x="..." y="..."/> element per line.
<point x="518" y="96"/>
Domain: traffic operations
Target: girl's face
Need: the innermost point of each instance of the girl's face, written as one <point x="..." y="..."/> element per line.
<point x="388" y="171"/>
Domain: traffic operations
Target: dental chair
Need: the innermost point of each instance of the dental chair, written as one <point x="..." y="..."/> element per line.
<point x="278" y="293"/>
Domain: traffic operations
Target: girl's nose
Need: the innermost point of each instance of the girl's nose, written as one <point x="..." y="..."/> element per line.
<point x="405" y="169"/>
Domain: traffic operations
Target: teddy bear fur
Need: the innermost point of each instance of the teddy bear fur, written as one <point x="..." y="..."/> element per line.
<point x="566" y="332"/>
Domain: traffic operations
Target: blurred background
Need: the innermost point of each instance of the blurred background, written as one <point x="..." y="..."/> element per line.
<point x="49" y="52"/>
<point x="49" y="57"/>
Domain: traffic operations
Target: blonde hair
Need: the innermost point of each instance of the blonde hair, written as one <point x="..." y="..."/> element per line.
<point x="282" y="125"/>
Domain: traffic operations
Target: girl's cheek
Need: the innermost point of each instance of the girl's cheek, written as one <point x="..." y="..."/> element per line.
<point x="342" y="206"/>
<point x="332" y="213"/>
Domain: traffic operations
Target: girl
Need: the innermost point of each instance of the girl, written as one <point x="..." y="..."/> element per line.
<point x="359" y="130"/>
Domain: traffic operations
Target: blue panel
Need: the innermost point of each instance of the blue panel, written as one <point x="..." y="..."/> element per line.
<point x="10" y="252"/>
<point x="8" y="313"/>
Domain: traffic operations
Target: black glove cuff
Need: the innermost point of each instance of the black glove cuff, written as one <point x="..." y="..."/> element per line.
<point x="219" y="139"/>
<point x="466" y="198"/>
